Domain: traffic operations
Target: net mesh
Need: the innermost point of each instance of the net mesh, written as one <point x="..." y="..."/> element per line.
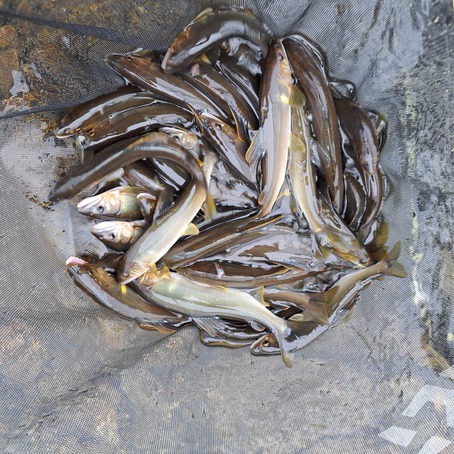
<point x="76" y="378"/>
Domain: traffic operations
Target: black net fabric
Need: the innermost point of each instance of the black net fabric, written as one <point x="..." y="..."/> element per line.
<point x="76" y="378"/>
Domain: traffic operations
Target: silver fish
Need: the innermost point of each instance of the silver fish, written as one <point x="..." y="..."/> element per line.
<point x="195" y="299"/>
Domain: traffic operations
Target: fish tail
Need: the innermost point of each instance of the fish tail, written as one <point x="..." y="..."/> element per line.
<point x="296" y="335"/>
<point x="394" y="268"/>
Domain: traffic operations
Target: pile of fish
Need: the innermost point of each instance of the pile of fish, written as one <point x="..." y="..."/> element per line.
<point x="239" y="188"/>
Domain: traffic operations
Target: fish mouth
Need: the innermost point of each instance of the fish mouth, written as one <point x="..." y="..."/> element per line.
<point x="75" y="261"/>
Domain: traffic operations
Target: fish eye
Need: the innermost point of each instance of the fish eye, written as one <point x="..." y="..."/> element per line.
<point x="100" y="209"/>
<point x="218" y="126"/>
<point x="112" y="236"/>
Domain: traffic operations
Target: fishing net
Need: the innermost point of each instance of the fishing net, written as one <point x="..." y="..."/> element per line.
<point x="76" y="378"/>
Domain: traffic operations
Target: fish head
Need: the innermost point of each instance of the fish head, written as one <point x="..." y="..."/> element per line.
<point x="113" y="232"/>
<point x="185" y="138"/>
<point x="106" y="204"/>
<point x="129" y="271"/>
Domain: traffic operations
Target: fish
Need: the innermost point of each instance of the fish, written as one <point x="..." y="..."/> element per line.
<point x="74" y="120"/>
<point x="362" y="146"/>
<point x="355" y="203"/>
<point x="132" y="122"/>
<point x="147" y="204"/>
<point x="195" y="299"/>
<point x="329" y="306"/>
<point x="185" y="138"/>
<point x="240" y="276"/>
<point x="245" y="116"/>
<point x="141" y="173"/>
<point x="94" y="280"/>
<point x="118" y="235"/>
<point x="200" y="150"/>
<point x="380" y="123"/>
<point x="342" y="89"/>
<point x="246" y="54"/>
<point x="242" y="78"/>
<point x="118" y="203"/>
<point x="231" y="149"/>
<point x="269" y="148"/>
<point x="312" y="81"/>
<point x="211" y="28"/>
<point x="149" y="76"/>
<point x="154" y="145"/>
<point x="218" y="332"/>
<point x="327" y="226"/>
<point x="165" y="231"/>
<point x="212" y="240"/>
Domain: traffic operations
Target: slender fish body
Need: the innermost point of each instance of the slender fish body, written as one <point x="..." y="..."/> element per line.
<point x="328" y="227"/>
<point x="133" y="122"/>
<point x="211" y="28"/>
<point x="194" y="299"/>
<point x="105" y="290"/>
<point x="148" y="75"/>
<point x="361" y="144"/>
<point x="312" y="81"/>
<point x="269" y="149"/>
<point x="327" y="307"/>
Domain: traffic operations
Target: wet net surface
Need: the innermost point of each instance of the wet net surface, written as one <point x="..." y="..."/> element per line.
<point x="76" y="378"/>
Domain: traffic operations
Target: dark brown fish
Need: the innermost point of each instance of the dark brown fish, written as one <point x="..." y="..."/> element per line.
<point x="105" y="290"/>
<point x="361" y="144"/>
<point x="79" y="115"/>
<point x="245" y="82"/>
<point x="222" y="87"/>
<point x="148" y="75"/>
<point x="133" y="122"/>
<point x="210" y="28"/>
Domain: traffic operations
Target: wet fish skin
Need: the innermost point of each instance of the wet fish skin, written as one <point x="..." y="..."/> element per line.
<point x="153" y="145"/>
<point x="329" y="306"/>
<point x="271" y="144"/>
<point x="232" y="150"/>
<point x="132" y="122"/>
<point x="225" y="89"/>
<point x="213" y="240"/>
<point x="327" y="226"/>
<point x="246" y="83"/>
<point x="209" y="29"/>
<point x="312" y="81"/>
<point x="218" y="332"/>
<point x="118" y="203"/>
<point x="149" y="76"/>
<point x="165" y="232"/>
<point x="175" y="292"/>
<point x="73" y="120"/>
<point x="94" y="280"/>
<point x="141" y="173"/>
<point x="363" y="147"/>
